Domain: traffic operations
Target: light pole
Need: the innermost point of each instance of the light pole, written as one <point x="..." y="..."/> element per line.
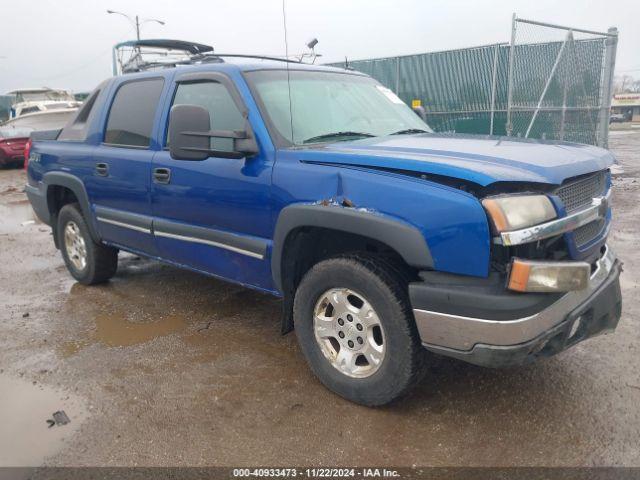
<point x="137" y="21"/>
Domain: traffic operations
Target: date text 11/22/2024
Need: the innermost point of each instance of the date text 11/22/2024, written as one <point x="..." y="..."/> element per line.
<point x="316" y="472"/>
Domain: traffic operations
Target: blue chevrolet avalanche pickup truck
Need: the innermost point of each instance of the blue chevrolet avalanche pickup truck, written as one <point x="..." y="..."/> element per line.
<point x="320" y="186"/>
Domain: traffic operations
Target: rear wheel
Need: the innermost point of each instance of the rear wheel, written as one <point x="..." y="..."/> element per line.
<point x="87" y="261"/>
<point x="356" y="329"/>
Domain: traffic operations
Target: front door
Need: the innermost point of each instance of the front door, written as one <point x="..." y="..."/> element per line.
<point x="214" y="215"/>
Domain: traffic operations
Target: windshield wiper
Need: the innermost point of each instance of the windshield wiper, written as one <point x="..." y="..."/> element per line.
<point x="409" y="131"/>
<point x="330" y="136"/>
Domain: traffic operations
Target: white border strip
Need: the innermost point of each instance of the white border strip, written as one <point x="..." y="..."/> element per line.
<point x="210" y="243"/>
<point x="123" y="225"/>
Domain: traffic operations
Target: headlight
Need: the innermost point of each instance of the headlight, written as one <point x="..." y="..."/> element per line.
<point x="518" y="211"/>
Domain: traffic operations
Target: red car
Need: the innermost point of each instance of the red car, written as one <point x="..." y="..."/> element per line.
<point x="12" y="143"/>
<point x="15" y="132"/>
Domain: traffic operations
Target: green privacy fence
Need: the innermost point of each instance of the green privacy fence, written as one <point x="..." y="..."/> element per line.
<point x="556" y="86"/>
<point x="455" y="87"/>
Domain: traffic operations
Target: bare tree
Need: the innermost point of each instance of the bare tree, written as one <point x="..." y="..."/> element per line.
<point x="626" y="84"/>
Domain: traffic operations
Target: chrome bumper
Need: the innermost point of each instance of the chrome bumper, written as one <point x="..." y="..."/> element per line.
<point x="441" y="330"/>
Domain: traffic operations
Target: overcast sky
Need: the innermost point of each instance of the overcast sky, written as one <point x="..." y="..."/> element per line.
<point x="67" y="43"/>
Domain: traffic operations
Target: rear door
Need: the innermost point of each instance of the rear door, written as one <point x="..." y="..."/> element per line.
<point x="214" y="215"/>
<point x="119" y="188"/>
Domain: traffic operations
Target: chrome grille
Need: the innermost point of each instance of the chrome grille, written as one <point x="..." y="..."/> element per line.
<point x="578" y="194"/>
<point x="584" y="234"/>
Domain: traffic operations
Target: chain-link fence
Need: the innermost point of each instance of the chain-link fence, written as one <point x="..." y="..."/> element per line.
<point x="545" y="86"/>
<point x="560" y="82"/>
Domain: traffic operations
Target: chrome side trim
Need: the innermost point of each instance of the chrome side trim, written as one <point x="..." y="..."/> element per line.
<point x="123" y="225"/>
<point x="462" y="333"/>
<point x="597" y="210"/>
<point x="250" y="246"/>
<point x="208" y="242"/>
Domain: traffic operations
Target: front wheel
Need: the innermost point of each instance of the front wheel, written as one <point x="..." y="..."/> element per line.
<point x="356" y="329"/>
<point x="87" y="261"/>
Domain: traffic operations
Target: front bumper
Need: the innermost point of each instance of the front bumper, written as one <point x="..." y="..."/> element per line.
<point x="514" y="328"/>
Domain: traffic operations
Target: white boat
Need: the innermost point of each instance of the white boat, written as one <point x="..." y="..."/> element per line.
<point x="42" y="120"/>
<point x="41" y="100"/>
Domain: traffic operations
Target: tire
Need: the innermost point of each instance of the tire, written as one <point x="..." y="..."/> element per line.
<point x="100" y="262"/>
<point x="374" y="284"/>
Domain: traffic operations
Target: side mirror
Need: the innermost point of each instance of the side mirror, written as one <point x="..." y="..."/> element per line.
<point x="184" y="120"/>
<point x="421" y="112"/>
<point x="190" y="136"/>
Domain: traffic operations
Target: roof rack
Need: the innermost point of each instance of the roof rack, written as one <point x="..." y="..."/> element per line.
<point x="142" y="55"/>
<point x="260" y="57"/>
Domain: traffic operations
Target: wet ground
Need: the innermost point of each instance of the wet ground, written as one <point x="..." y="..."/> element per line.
<point x="166" y="367"/>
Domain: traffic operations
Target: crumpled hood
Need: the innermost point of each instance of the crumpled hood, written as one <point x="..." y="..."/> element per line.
<point x="479" y="159"/>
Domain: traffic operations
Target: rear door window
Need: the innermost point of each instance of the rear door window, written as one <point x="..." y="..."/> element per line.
<point x="132" y="112"/>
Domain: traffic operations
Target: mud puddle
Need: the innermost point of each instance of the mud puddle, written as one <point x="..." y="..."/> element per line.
<point x="25" y="437"/>
<point x="16" y="216"/>
<point x="146" y="301"/>
<point x="119" y="331"/>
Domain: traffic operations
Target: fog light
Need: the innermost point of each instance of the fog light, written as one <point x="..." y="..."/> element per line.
<point x="541" y="276"/>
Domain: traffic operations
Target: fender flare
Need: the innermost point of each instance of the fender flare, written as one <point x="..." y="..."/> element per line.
<point x="73" y="183"/>
<point x="404" y="238"/>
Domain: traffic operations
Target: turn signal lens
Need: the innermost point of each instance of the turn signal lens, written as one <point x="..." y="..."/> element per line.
<point x="519" y="276"/>
<point x="541" y="276"/>
<point x="518" y="211"/>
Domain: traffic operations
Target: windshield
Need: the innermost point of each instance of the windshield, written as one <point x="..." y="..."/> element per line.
<point x="330" y="107"/>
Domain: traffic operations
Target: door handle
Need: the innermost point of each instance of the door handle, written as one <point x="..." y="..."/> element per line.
<point x="161" y="175"/>
<point x="102" y="169"/>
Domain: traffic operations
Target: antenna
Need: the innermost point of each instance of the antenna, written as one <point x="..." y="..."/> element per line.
<point x="286" y="52"/>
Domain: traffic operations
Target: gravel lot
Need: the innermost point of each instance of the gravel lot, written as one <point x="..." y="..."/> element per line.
<point x="166" y="367"/>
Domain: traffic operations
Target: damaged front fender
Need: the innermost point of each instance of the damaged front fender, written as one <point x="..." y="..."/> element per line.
<point x="405" y="239"/>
